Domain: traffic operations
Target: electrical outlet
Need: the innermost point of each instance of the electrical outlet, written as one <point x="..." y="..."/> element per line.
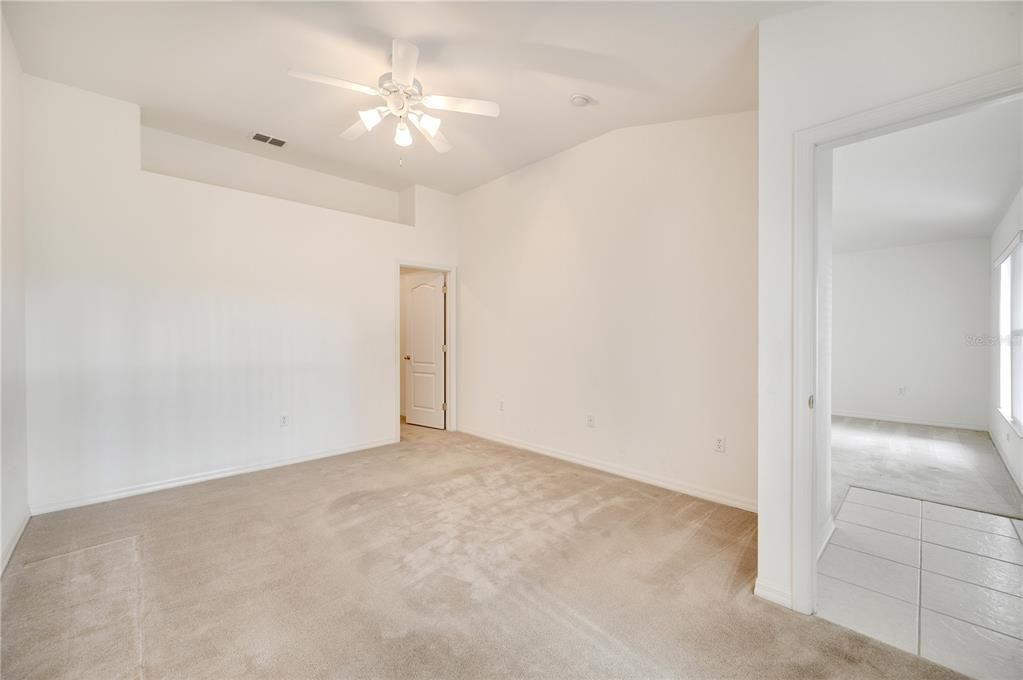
<point x="591" y="421"/>
<point x="284" y="421"/>
<point x="719" y="444"/>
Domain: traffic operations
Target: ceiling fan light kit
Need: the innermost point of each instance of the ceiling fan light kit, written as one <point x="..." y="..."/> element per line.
<point x="402" y="135"/>
<point x="372" y="117"/>
<point x="430" y="124"/>
<point x="402" y="95"/>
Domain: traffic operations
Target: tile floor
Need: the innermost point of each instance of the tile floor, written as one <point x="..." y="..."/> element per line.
<point x="931" y="579"/>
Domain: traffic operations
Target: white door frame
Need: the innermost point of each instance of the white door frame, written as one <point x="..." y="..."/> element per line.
<point x="811" y="301"/>
<point x="450" y="338"/>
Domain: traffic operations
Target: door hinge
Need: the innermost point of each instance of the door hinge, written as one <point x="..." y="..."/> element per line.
<point x="444" y="406"/>
<point x="444" y="348"/>
<point x="810" y="401"/>
<point x="445" y="289"/>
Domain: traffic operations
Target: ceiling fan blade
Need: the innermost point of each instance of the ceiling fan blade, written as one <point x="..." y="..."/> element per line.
<point x="358" y="129"/>
<point x="479" y="107"/>
<point x="438" y="141"/>
<point x="404" y="58"/>
<point x="336" y="82"/>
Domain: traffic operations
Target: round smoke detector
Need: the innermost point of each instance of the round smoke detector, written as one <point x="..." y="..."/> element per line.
<point x="580" y="100"/>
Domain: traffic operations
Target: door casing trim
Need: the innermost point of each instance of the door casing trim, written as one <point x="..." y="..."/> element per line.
<point x="450" y="339"/>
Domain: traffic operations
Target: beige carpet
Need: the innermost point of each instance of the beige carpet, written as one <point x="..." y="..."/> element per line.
<point x="444" y="556"/>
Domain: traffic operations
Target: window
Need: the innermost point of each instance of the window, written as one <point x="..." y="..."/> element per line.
<point x="1005" y="337"/>
<point x="1010" y="334"/>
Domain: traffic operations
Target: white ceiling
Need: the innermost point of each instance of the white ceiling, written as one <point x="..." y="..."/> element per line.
<point x="953" y="178"/>
<point x="217" y="72"/>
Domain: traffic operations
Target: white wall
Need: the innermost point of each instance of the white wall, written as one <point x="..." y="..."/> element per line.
<point x="13" y="447"/>
<point x="817" y="65"/>
<point x="1009" y="444"/>
<point x="617" y="279"/>
<point x="172" y="323"/>
<point x="189" y="158"/>
<point x="902" y="317"/>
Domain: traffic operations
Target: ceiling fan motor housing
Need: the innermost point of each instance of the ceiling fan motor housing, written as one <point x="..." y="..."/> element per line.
<point x="388" y="85"/>
<point x="399" y="97"/>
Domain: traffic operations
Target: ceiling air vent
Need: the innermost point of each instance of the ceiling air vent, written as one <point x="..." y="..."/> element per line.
<point x="267" y="139"/>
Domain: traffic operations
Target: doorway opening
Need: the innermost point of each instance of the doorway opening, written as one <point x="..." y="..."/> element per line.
<point x="906" y="505"/>
<point x="918" y="217"/>
<point x="922" y="542"/>
<point x="425" y="347"/>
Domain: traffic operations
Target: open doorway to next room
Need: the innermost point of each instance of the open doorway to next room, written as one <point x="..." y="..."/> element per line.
<point x="925" y="469"/>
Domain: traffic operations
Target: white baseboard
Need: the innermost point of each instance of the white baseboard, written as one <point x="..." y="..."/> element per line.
<point x="828" y="530"/>
<point x="185" y="480"/>
<point x="773" y="594"/>
<point x="13" y="543"/>
<point x="654" y="480"/>
<point x="999" y="447"/>
<point x="909" y="421"/>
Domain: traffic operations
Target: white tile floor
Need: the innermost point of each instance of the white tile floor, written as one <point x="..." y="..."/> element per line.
<point x="931" y="579"/>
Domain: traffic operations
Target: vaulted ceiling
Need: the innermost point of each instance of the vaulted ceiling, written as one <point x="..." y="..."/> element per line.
<point x="218" y="72"/>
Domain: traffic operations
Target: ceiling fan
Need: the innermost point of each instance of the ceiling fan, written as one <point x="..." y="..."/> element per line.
<point x="402" y="95"/>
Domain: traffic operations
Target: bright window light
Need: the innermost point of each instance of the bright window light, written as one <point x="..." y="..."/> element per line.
<point x="1005" y="337"/>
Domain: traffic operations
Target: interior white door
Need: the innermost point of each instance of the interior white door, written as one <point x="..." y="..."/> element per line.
<point x="424" y="361"/>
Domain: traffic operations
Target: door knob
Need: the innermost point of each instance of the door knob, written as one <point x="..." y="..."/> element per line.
<point x="407" y="357"/>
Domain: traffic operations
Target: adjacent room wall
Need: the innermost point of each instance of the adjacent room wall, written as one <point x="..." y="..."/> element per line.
<point x="617" y="280"/>
<point x="189" y="158"/>
<point x="173" y="323"/>
<point x="904" y="318"/>
<point x="1008" y="442"/>
<point x="14" y="472"/>
<point x="818" y="65"/>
